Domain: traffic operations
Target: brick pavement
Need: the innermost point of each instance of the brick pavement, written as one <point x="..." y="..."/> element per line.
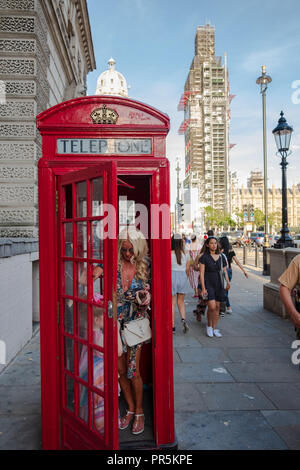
<point x="240" y="391"/>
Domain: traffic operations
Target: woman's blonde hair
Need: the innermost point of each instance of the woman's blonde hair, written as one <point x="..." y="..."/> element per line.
<point x="140" y="251"/>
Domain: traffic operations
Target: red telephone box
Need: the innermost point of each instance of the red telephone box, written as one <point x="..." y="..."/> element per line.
<point x="103" y="160"/>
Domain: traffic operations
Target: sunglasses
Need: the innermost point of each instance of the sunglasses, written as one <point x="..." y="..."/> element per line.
<point x="124" y="250"/>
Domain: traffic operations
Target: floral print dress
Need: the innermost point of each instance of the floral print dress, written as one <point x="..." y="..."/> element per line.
<point x="128" y="309"/>
<point x="194" y="275"/>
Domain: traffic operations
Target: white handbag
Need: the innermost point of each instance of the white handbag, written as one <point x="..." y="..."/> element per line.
<point x="137" y="331"/>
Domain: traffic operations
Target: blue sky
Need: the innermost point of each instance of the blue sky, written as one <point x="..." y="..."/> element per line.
<point x="152" y="42"/>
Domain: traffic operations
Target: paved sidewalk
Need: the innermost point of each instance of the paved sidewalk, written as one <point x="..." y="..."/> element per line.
<point x="240" y="391"/>
<point x="20" y="400"/>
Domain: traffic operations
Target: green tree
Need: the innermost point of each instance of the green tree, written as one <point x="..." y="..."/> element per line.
<point x="229" y="222"/>
<point x="209" y="217"/>
<point x="213" y="217"/>
<point x="274" y="220"/>
<point x="217" y="218"/>
<point x="240" y="218"/>
<point x="259" y="219"/>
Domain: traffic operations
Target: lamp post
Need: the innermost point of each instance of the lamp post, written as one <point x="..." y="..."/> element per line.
<point x="282" y="134"/>
<point x="263" y="81"/>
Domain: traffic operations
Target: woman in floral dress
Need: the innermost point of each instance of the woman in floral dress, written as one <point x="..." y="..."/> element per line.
<point x="194" y="251"/>
<point x="133" y="276"/>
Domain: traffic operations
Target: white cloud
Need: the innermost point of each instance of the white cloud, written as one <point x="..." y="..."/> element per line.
<point x="272" y="58"/>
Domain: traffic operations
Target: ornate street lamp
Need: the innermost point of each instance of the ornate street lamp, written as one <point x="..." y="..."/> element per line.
<point x="263" y="81"/>
<point x="282" y="134"/>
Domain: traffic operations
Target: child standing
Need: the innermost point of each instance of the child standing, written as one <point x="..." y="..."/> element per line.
<point x="98" y="371"/>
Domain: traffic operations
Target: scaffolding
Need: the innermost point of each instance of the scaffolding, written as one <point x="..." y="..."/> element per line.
<point x="205" y="103"/>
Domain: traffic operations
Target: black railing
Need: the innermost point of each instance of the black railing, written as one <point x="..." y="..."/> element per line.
<point x="250" y="255"/>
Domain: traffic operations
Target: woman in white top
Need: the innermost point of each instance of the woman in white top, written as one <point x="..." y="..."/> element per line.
<point x="180" y="284"/>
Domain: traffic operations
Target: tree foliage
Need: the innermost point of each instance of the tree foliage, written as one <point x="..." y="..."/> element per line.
<point x="259" y="219"/>
<point x="217" y="218"/>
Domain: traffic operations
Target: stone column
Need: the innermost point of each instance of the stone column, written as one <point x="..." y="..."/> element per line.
<point x="279" y="261"/>
<point x="24" y="61"/>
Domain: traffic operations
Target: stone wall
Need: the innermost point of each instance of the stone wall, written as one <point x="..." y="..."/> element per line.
<point x="19" y="294"/>
<point x="279" y="261"/>
<point x="46" y="53"/>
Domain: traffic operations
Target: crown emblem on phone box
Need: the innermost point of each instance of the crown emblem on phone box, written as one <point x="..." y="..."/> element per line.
<point x="104" y="115"/>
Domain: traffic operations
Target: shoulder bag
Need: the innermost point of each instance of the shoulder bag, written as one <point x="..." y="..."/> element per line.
<point x="137" y="331"/>
<point x="222" y="274"/>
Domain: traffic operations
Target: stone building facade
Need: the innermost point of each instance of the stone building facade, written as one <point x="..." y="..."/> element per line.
<point x="46" y="52"/>
<point x="253" y="195"/>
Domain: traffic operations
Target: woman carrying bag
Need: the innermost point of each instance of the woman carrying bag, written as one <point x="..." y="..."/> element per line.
<point x="212" y="275"/>
<point x="231" y="256"/>
<point x="180" y="284"/>
<point x="133" y="299"/>
<point x="194" y="252"/>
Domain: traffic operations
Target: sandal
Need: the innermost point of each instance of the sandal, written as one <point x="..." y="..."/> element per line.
<point x="125" y="420"/>
<point x="185" y="327"/>
<point x="138" y="424"/>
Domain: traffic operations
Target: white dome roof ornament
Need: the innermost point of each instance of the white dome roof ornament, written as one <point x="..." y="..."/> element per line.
<point x="111" y="63"/>
<point x="111" y="82"/>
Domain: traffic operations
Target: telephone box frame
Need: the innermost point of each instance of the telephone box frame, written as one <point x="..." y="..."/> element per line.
<point x="72" y="120"/>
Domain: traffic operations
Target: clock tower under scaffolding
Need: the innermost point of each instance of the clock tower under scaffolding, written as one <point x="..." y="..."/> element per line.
<point x="205" y="103"/>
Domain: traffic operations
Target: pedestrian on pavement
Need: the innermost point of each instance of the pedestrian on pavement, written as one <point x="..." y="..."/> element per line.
<point x="186" y="241"/>
<point x="210" y="233"/>
<point x="231" y="256"/>
<point x="289" y="280"/>
<point x="133" y="277"/>
<point x="180" y="284"/>
<point x="194" y="252"/>
<point x="201" y="308"/>
<point x="225" y="263"/>
<point x="211" y="284"/>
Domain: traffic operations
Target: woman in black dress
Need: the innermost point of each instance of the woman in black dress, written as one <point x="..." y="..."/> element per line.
<point x="231" y="256"/>
<point x="211" y="283"/>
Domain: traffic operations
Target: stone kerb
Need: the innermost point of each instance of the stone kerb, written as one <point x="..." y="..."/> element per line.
<point x="279" y="261"/>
